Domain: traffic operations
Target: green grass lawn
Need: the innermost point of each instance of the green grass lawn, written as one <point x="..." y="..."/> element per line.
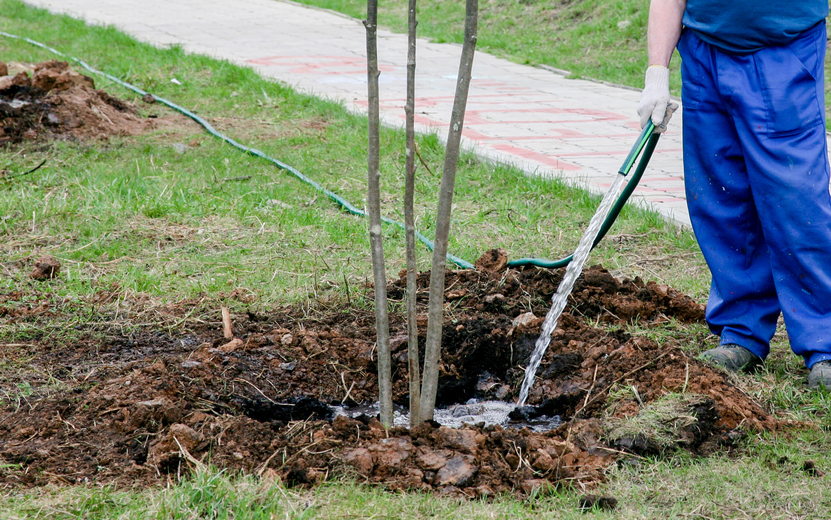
<point x="176" y="215"/>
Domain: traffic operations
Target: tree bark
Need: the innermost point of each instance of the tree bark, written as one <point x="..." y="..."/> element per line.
<point x="374" y="209"/>
<point x="409" y="222"/>
<point x="451" y="158"/>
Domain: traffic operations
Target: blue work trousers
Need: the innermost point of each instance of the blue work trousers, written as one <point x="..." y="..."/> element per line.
<point x="757" y="182"/>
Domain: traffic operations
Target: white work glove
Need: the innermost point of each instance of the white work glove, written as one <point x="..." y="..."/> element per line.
<point x="655" y="102"/>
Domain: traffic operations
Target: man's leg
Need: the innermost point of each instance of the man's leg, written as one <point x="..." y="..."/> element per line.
<point x="779" y="117"/>
<point x="742" y="308"/>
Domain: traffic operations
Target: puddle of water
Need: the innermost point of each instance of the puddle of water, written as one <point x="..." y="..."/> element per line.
<point x="17" y="103"/>
<point x="472" y="412"/>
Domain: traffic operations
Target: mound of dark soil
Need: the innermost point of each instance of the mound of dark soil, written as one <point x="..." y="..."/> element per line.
<point x="152" y="405"/>
<point x="49" y="101"/>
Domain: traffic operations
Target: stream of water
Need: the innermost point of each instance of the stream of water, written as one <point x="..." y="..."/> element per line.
<point x="558" y="301"/>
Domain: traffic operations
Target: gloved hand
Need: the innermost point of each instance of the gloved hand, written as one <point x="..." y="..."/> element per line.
<point x="655" y="102"/>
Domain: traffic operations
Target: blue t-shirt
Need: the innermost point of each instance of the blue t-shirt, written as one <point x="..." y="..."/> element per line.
<point x="745" y="26"/>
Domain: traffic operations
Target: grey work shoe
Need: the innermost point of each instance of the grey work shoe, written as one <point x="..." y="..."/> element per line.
<point x="735" y="358"/>
<point x="820" y="376"/>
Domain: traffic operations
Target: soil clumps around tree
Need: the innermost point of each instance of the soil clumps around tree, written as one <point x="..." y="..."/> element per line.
<point x="143" y="408"/>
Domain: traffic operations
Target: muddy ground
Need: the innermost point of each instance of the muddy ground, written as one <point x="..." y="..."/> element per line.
<point x="147" y="406"/>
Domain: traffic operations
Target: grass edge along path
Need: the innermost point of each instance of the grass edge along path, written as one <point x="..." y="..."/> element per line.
<point x="583" y="39"/>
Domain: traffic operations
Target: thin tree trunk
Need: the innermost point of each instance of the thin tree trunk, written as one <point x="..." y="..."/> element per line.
<point x="451" y="158"/>
<point x="409" y="223"/>
<point x="374" y="209"/>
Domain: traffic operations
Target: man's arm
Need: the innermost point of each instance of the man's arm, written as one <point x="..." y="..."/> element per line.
<point x="664" y="29"/>
<point x="662" y="36"/>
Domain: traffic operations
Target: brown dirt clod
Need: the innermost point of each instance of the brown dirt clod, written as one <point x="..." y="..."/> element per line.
<point x="46" y="268"/>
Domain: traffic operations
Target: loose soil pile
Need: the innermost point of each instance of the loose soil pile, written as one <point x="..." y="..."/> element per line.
<point x="49" y="101"/>
<point x="141" y="409"/>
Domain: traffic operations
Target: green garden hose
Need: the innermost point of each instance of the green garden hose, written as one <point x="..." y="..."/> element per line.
<point x="646" y="143"/>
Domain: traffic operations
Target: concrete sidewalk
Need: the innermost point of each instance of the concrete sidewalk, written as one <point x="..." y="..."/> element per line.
<point x="577" y="130"/>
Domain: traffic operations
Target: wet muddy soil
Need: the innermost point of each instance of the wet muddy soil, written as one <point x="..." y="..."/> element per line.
<point x="146" y="407"/>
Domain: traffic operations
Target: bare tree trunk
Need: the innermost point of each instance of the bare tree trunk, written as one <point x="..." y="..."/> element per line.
<point x="448" y="180"/>
<point x="374" y="209"/>
<point x="409" y="224"/>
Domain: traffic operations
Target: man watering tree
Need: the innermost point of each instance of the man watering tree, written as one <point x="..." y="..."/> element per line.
<point x="756" y="167"/>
